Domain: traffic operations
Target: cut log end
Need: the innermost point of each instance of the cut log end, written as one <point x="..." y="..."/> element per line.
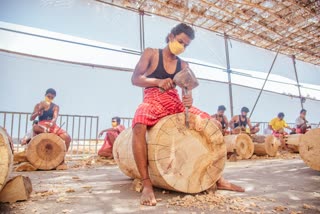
<point x="241" y="144"/>
<point x="269" y="147"/>
<point x="309" y="148"/>
<point x="18" y="188"/>
<point x="46" y="151"/>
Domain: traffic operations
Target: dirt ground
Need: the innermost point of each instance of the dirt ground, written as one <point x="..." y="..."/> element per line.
<point x="92" y="185"/>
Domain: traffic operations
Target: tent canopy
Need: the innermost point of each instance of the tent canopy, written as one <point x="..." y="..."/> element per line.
<point x="293" y="25"/>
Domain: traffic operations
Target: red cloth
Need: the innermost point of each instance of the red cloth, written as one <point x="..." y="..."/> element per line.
<point x="111" y="135"/>
<point x="158" y="104"/>
<point x="55" y="129"/>
<point x="278" y="134"/>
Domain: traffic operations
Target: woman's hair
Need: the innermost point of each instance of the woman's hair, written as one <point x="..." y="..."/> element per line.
<point x="117" y="119"/>
<point x="51" y="91"/>
<point x="221" y="108"/>
<point x="182" y="28"/>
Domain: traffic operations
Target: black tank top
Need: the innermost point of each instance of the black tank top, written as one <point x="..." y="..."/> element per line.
<point x="241" y="123"/>
<point x="160" y="72"/>
<point x="47" y="115"/>
<point x="223" y="124"/>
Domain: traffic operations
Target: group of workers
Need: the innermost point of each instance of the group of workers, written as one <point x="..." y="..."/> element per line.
<point x="241" y="123"/>
<point x="154" y="71"/>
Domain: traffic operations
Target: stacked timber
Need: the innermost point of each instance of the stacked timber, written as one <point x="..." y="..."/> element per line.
<point x="266" y="145"/>
<point x="182" y="159"/>
<point x="241" y="144"/>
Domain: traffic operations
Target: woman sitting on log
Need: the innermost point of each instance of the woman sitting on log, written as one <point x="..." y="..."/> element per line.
<point x="155" y="72"/>
<point x="222" y="119"/>
<point x="240" y="122"/>
<point x="111" y="135"/>
<point x="47" y="113"/>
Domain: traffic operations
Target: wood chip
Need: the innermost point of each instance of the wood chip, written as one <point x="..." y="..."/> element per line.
<point x="307" y="206"/>
<point x="70" y="190"/>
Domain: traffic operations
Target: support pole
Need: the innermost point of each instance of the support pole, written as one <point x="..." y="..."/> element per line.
<point x="141" y="30"/>
<point x="141" y="33"/>
<point x="296" y="73"/>
<point x="265" y="81"/>
<point x="229" y="73"/>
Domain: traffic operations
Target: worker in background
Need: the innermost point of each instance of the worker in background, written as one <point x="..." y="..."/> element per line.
<point x="301" y="123"/>
<point x="111" y="135"/>
<point x="278" y="126"/>
<point x="240" y="122"/>
<point x="219" y="116"/>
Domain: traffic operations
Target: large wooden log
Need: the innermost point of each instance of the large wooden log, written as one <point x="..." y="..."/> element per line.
<point x="269" y="147"/>
<point x="6" y="158"/>
<point x="46" y="151"/>
<point x="241" y="144"/>
<point x="180" y="159"/>
<point x="309" y="148"/>
<point x="18" y="188"/>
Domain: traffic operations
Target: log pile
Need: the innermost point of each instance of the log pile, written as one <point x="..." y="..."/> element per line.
<point x="240" y="144"/>
<point x="182" y="159"/>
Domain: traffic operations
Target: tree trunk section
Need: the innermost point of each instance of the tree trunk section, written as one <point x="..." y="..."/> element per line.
<point x="180" y="159"/>
<point x="46" y="151"/>
<point x="269" y="147"/>
<point x="18" y="188"/>
<point x="309" y="148"/>
<point x="241" y="144"/>
<point x="6" y="158"/>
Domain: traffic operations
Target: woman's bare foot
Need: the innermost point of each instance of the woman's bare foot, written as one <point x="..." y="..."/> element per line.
<point x="147" y="195"/>
<point x="223" y="184"/>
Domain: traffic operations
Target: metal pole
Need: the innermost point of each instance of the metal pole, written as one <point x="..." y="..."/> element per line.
<point x="296" y="73"/>
<point x="141" y="30"/>
<point x="265" y="81"/>
<point x="229" y="72"/>
<point x="142" y="41"/>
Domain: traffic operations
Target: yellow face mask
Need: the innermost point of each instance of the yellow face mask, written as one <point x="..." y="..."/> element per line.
<point x="48" y="100"/>
<point x="175" y="47"/>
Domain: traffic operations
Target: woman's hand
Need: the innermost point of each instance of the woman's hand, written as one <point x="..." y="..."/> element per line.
<point x="187" y="100"/>
<point x="166" y="84"/>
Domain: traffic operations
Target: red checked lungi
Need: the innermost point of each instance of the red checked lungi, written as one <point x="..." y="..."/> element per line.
<point x="158" y="104"/>
<point x="111" y="135"/>
<point x="55" y="129"/>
